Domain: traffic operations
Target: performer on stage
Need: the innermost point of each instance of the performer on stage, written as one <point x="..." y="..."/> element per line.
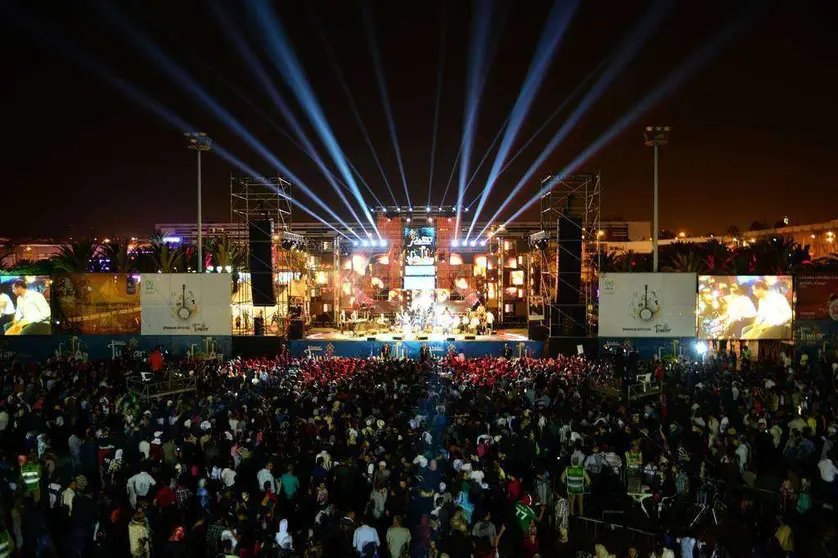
<point x="7" y="311"/>
<point x="773" y="319"/>
<point x="32" y="315"/>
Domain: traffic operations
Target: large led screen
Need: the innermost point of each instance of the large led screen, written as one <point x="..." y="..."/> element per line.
<point x="186" y="303"/>
<point x="817" y="297"/>
<point x="745" y="307"/>
<point x="419" y="246"/>
<point x="647" y="305"/>
<point x="25" y="305"/>
<point x="97" y="303"/>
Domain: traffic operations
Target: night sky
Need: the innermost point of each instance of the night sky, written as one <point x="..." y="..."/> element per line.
<point x="754" y="130"/>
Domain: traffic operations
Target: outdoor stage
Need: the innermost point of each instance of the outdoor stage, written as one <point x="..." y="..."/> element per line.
<point x="331" y="342"/>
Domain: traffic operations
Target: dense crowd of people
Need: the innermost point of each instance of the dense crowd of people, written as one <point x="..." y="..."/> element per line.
<point x="453" y="457"/>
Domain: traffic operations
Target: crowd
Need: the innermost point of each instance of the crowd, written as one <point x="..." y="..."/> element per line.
<point x="456" y="457"/>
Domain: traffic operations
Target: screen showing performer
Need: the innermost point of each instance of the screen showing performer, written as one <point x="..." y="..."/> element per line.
<point x="744" y="307"/>
<point x="24" y="305"/>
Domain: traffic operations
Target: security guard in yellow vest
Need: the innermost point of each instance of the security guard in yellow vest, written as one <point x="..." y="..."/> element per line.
<point x="30" y="476"/>
<point x="634" y="468"/>
<point x="576" y="479"/>
<point x="7" y="544"/>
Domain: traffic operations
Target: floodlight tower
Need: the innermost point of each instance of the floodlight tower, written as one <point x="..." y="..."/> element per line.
<point x="655" y="137"/>
<point x="199" y="141"/>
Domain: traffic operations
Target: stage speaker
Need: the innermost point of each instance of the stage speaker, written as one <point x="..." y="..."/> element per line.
<point x="450" y="338"/>
<point x="261" y="263"/>
<point x="258" y="326"/>
<point x="569" y="319"/>
<point x="537" y="331"/>
<point x="422" y="338"/>
<point x="295" y="329"/>
<point x="397" y="338"/>
<point x="370" y="338"/>
<point x="470" y="337"/>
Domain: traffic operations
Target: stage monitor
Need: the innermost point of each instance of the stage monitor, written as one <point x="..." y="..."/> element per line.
<point x="25" y="305"/>
<point x="745" y="307"/>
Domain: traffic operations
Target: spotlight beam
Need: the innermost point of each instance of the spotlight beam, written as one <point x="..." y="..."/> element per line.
<point x="558" y="20"/>
<point x="476" y="74"/>
<point x="439" y="75"/>
<point x="366" y="12"/>
<point x="624" y="54"/>
<point x="137" y="96"/>
<point x="218" y="111"/>
<point x="352" y="105"/>
<point x="259" y="73"/>
<point x="664" y="88"/>
<point x="282" y="53"/>
<point x="451" y="176"/>
<point x="192" y="53"/>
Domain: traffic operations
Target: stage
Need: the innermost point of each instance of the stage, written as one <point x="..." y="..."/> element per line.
<point x="330" y="334"/>
<point x="331" y="342"/>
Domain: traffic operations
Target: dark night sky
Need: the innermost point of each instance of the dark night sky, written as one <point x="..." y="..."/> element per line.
<point x="754" y="130"/>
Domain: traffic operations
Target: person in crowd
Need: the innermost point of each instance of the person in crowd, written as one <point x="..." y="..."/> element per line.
<point x="453" y="456"/>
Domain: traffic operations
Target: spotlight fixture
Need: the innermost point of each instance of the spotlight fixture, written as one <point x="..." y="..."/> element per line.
<point x="365" y="243"/>
<point x="382" y="243"/>
<point x="428" y="209"/>
<point x="430" y="219"/>
<point x="466" y="210"/>
<point x="473" y="243"/>
<point x="482" y="243"/>
<point x="407" y="219"/>
<point x="455" y="243"/>
<point x="354" y="243"/>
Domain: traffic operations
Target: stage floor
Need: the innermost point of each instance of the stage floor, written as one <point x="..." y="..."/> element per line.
<point x="328" y="334"/>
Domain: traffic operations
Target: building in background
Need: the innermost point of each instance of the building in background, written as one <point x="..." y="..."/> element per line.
<point x="820" y="237"/>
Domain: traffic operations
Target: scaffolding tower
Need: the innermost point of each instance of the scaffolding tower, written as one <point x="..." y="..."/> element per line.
<point x="570" y="231"/>
<point x="254" y="198"/>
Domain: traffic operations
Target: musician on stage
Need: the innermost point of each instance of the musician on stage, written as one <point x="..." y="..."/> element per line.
<point x="773" y="317"/>
<point x="424" y="353"/>
<point x="7" y="311"/>
<point x="32" y="315"/>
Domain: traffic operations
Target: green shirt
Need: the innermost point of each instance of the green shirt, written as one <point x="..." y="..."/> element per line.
<point x="290" y="484"/>
<point x="525" y="515"/>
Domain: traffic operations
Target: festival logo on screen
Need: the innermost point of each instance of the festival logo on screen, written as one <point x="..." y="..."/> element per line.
<point x="185" y="304"/>
<point x="25" y="305"/>
<point x="744" y="307"/>
<point x="817" y="297"/>
<point x="647" y="305"/>
<point x="419" y="246"/>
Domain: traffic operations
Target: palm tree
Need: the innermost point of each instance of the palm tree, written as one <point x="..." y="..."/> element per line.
<point x="164" y="255"/>
<point x="119" y="257"/>
<point x="75" y="256"/>
<point x="687" y="262"/>
<point x="225" y="253"/>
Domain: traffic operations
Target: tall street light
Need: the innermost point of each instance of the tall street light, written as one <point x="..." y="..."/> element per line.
<point x="655" y="137"/>
<point x="199" y="141"/>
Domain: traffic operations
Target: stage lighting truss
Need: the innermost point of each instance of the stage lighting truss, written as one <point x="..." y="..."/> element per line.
<point x="477" y="245"/>
<point x="369" y="246"/>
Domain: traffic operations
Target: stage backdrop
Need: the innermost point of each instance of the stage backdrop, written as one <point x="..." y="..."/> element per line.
<point x="34" y="317"/>
<point x="186" y="304"/>
<point x="745" y="307"/>
<point x="817" y="297"/>
<point x="97" y="303"/>
<point x="647" y="305"/>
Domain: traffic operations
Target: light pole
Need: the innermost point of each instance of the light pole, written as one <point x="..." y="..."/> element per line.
<point x="655" y="137"/>
<point x="199" y="141"/>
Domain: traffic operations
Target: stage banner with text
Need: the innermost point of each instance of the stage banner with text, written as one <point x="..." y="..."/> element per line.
<point x="185" y="303"/>
<point x="647" y="305"/>
<point x="97" y="303"/>
<point x="817" y="297"/>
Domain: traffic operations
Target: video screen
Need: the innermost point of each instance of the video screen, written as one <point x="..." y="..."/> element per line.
<point x="25" y="305"/>
<point x="419" y="246"/>
<point x="97" y="303"/>
<point x="745" y="307"/>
